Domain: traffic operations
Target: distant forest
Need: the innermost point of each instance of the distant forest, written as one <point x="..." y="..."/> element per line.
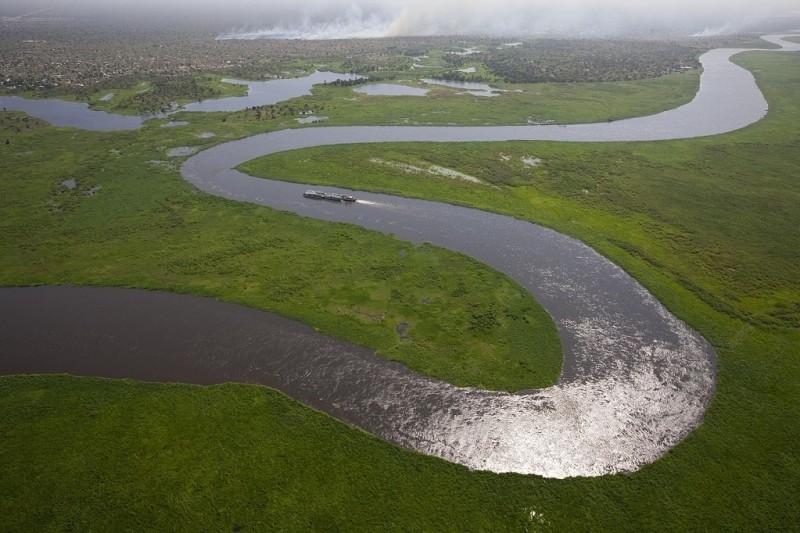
<point x="54" y="60"/>
<point x="571" y="60"/>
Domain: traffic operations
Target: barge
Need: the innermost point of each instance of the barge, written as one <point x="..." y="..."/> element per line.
<point x="330" y="196"/>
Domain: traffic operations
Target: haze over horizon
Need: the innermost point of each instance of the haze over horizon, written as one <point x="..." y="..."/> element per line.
<point x="336" y="19"/>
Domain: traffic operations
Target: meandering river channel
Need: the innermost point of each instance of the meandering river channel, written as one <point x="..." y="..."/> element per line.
<point x="635" y="379"/>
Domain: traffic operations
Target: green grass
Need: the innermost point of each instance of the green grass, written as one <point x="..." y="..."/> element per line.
<point x="714" y="224"/>
<point x="357" y="284"/>
<point x="563" y="103"/>
<point x="277" y="465"/>
<point x="122" y="101"/>
<point x="706" y="211"/>
<point x="96" y="454"/>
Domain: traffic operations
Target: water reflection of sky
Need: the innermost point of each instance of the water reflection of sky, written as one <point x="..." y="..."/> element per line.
<point x="475" y="89"/>
<point x="390" y="89"/>
<point x="268" y="92"/>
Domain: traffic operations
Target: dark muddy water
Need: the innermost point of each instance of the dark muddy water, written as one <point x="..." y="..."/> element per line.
<point x="162" y="337"/>
<point x="635" y="380"/>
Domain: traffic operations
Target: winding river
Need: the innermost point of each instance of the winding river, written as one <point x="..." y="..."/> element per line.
<point x="635" y="379"/>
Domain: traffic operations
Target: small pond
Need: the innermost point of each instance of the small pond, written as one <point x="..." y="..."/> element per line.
<point x="390" y="89"/>
<point x="475" y="89"/>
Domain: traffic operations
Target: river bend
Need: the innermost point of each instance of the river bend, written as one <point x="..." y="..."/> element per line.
<point x="635" y="380"/>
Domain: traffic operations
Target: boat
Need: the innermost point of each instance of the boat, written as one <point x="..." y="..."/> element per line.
<point x="315" y="195"/>
<point x="330" y="196"/>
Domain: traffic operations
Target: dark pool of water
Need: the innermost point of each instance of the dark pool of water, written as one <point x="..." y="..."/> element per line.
<point x="154" y="336"/>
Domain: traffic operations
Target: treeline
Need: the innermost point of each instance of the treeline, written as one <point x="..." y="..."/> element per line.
<point x="16" y="122"/>
<point x="81" y="92"/>
<point x="571" y="60"/>
<point x="463" y="77"/>
<point x="459" y="60"/>
<point x="350" y="83"/>
<point x="267" y="112"/>
<point x="165" y="90"/>
<point x="104" y="85"/>
<point x="375" y="63"/>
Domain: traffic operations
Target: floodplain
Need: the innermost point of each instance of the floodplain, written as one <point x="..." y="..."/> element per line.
<point x="709" y="226"/>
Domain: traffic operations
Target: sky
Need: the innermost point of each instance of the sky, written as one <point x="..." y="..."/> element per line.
<point x="373" y="18"/>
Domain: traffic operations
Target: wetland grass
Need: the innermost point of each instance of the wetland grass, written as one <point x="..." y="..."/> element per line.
<point x="98" y="454"/>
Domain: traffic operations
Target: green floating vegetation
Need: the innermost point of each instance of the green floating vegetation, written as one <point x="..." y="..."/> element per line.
<point x="710" y="226"/>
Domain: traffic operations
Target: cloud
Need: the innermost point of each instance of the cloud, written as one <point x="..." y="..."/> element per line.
<point x="353" y="23"/>
<point x="340" y="19"/>
<point x="328" y="19"/>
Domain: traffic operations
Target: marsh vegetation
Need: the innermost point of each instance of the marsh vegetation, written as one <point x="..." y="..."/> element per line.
<point x="710" y="226"/>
